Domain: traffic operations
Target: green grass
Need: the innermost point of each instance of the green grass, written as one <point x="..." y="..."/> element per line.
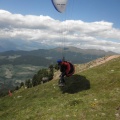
<point x="90" y="95"/>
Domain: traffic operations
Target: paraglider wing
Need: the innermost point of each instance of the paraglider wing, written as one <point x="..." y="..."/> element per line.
<point x="60" y="5"/>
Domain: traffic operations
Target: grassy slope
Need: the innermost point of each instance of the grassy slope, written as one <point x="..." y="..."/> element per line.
<point x="90" y="95"/>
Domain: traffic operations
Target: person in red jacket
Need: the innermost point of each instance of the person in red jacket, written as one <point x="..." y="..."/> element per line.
<point x="67" y="69"/>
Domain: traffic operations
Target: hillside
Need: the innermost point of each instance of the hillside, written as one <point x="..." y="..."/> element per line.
<point x="92" y="94"/>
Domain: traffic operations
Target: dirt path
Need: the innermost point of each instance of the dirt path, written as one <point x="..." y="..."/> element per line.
<point x="94" y="63"/>
<point x="105" y="59"/>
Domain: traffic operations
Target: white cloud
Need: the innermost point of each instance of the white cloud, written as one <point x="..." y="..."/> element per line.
<point x="46" y="30"/>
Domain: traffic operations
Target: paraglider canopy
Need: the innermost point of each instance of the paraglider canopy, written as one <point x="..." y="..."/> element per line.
<point x="60" y="5"/>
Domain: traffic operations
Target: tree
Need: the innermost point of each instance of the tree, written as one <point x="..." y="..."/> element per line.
<point x="56" y="67"/>
<point x="43" y="74"/>
<point x="34" y="80"/>
<point x="51" y="67"/>
<point x="28" y="83"/>
<point x="21" y="84"/>
<point x="16" y="88"/>
<point x="50" y="76"/>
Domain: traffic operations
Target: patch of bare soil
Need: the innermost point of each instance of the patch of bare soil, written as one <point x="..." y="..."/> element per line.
<point x="94" y="63"/>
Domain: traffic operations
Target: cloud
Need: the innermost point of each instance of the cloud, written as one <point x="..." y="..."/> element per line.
<point x="50" y="32"/>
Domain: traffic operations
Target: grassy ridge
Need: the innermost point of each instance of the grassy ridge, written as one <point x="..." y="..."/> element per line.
<point x="90" y="95"/>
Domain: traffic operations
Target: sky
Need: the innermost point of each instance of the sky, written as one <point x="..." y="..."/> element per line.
<point x="86" y="24"/>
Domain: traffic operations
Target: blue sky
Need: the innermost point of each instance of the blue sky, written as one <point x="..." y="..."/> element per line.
<point x="86" y="10"/>
<point x="98" y="20"/>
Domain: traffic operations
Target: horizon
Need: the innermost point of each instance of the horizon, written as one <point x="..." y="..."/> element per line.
<point x="68" y="47"/>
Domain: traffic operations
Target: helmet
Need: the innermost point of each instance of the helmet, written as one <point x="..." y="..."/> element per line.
<point x="59" y="61"/>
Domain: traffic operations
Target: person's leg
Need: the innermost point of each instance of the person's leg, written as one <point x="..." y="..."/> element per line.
<point x="62" y="80"/>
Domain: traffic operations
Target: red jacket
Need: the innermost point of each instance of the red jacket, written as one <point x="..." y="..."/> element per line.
<point x="67" y="67"/>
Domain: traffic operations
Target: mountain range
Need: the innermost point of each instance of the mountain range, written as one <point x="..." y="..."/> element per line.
<point x="45" y="57"/>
